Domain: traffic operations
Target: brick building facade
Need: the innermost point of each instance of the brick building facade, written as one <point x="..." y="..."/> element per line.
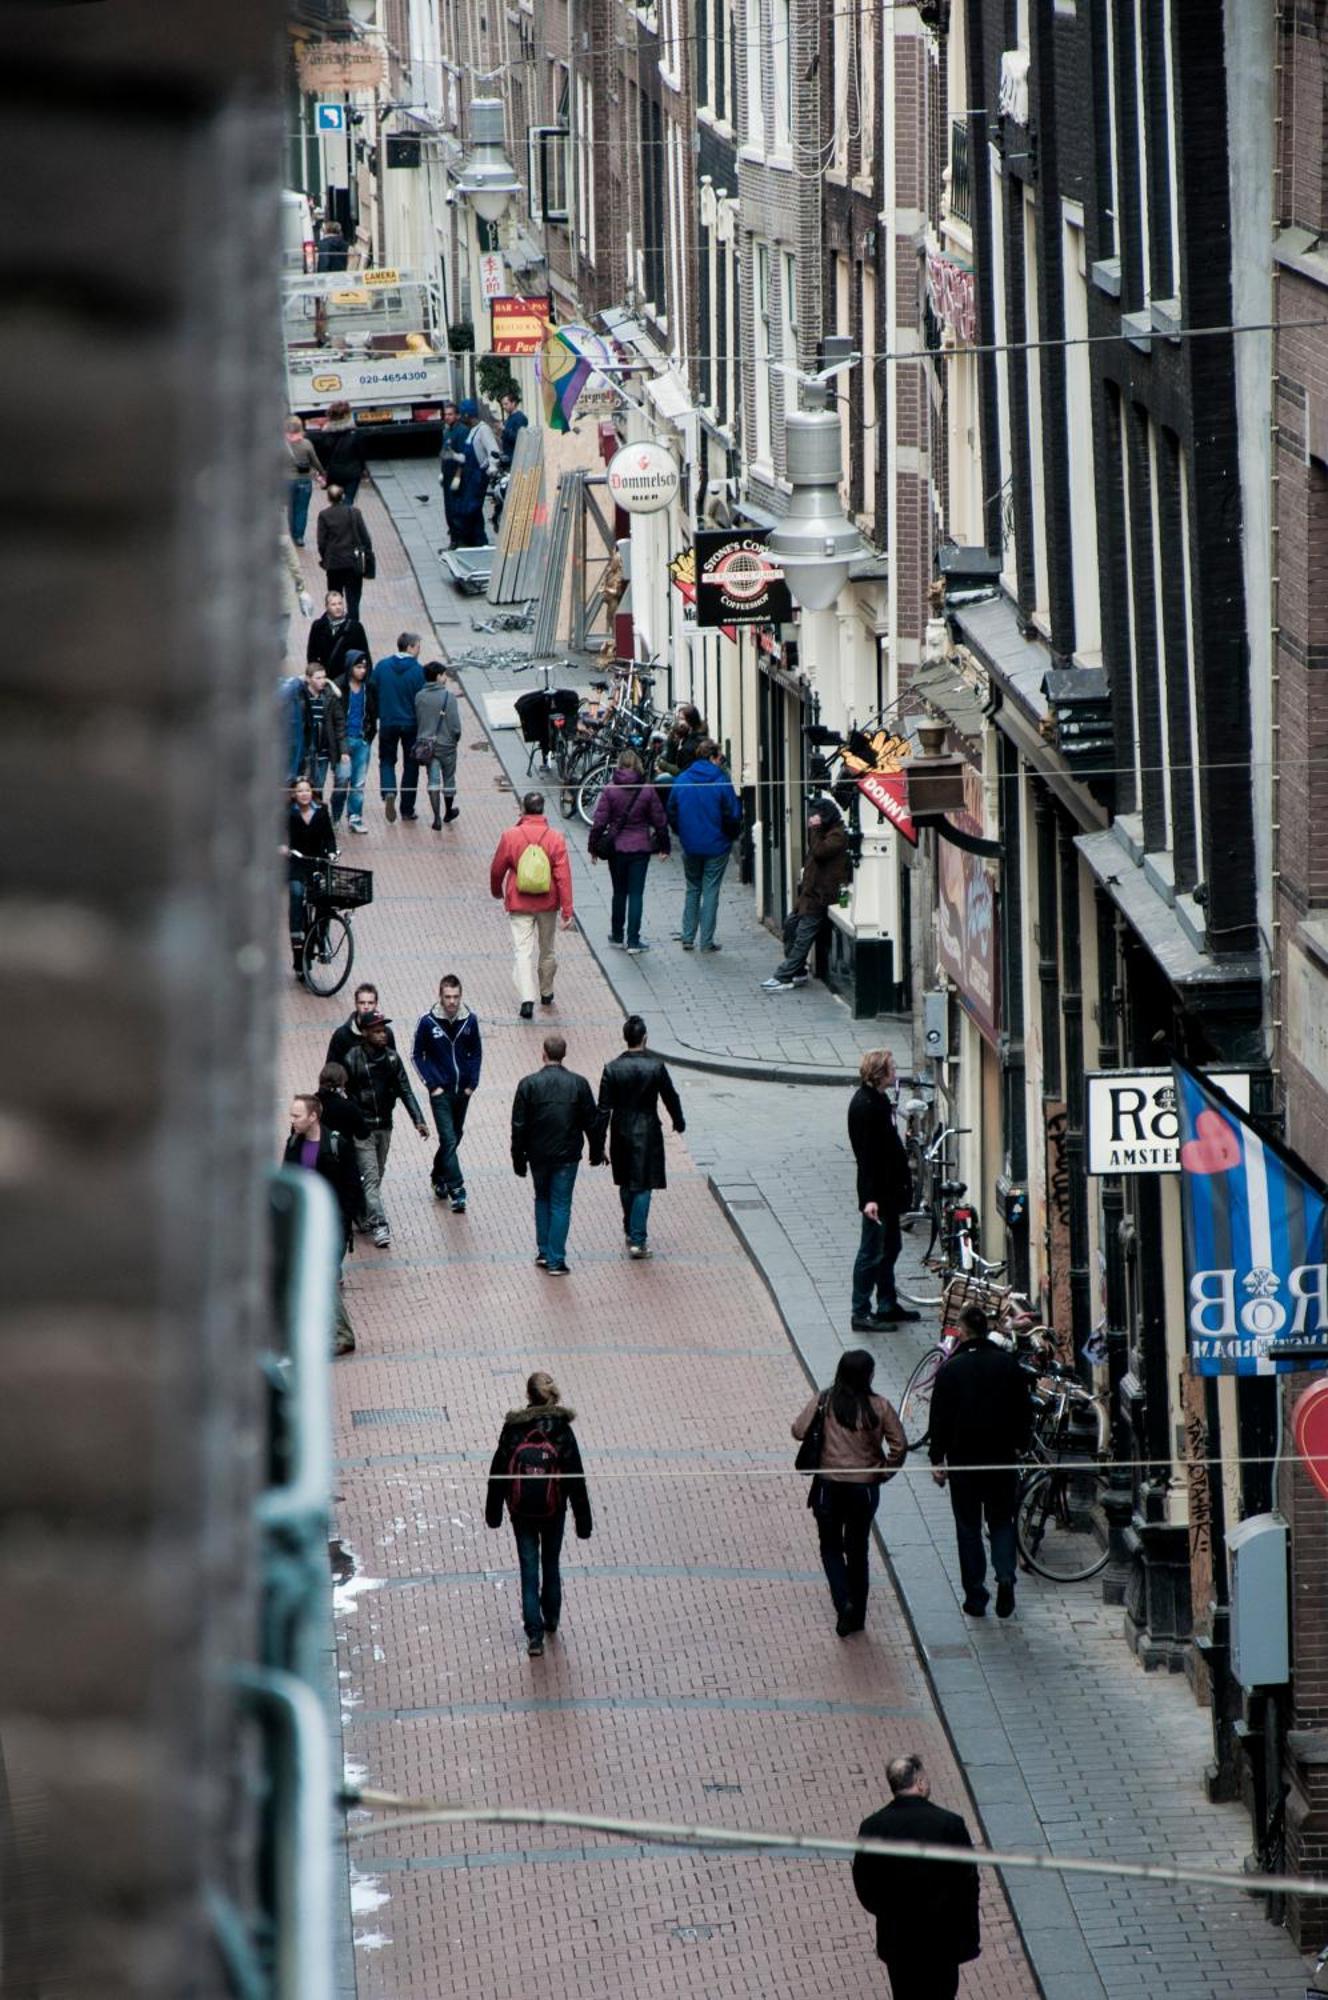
<point x="138" y="894"/>
<point x="1300" y="813"/>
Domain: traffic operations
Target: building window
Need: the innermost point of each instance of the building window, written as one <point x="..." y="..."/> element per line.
<point x="755" y="78"/>
<point x="789" y="299"/>
<point x="869" y="406"/>
<point x="1079" y="446"/>
<point x="781" y="56"/>
<point x="761" y="345"/>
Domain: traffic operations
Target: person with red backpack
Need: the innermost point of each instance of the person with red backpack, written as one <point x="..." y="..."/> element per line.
<point x="531" y="873"/>
<point x="537" y="1473"/>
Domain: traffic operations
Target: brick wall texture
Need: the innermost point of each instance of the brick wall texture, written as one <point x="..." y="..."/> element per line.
<point x="138" y="764"/>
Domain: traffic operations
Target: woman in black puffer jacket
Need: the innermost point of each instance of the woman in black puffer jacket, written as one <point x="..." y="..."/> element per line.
<point x="537" y="1473"/>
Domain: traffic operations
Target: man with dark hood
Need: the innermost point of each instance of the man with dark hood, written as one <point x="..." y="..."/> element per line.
<point x="824" y="872"/>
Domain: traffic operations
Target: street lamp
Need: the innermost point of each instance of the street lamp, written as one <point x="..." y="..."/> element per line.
<point x="487" y="178"/>
<point x="815" y="543"/>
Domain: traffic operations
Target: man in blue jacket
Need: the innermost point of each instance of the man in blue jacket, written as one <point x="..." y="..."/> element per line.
<point x="396" y="680"/>
<point x="447" y="1055"/>
<point x="705" y="813"/>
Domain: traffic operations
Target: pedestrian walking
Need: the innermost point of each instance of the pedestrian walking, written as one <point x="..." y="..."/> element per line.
<point x="345" y="550"/>
<point x="437" y="733"/>
<point x="340" y="1113"/>
<point x="857" y="1443"/>
<point x="926" y="1911"/>
<point x="537" y="1474"/>
<point x="359" y="702"/>
<point x="981" y="1416"/>
<point x="351" y="1032"/>
<point x="396" y="680"/>
<point x="553" y="1114"/>
<point x="825" y="870"/>
<point x="705" y="813"/>
<point x="630" y="1091"/>
<point x="302" y="469"/>
<point x="317" y="1146"/>
<point x="333" y="252"/>
<point x="479" y="455"/>
<point x="309" y="838"/>
<point x="530" y="872"/>
<point x="630" y="825"/>
<point x="333" y="636"/>
<point x="451" y="458"/>
<point x="447" y="1055"/>
<point x="340" y="451"/>
<point x="323" y="722"/>
<point x="376" y="1081"/>
<point x="885" y="1193"/>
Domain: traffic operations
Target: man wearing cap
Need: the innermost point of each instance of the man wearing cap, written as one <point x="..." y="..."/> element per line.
<point x="479" y="455"/>
<point x="375" y="1080"/>
<point x="824" y="873"/>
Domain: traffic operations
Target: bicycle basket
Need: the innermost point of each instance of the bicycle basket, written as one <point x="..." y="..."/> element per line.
<point x="966" y="1288"/>
<point x="341" y="888"/>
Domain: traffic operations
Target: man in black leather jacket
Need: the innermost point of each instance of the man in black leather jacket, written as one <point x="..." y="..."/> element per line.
<point x="376" y="1080"/>
<point x="981" y="1417"/>
<point x="926" y="1911"/>
<point x="553" y="1114"/>
<point x="630" y="1090"/>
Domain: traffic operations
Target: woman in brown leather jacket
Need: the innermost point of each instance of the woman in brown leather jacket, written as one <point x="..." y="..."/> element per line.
<point x="863" y="1446"/>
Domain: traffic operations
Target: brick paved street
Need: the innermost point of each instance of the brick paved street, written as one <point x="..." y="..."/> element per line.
<point x="697" y="1675"/>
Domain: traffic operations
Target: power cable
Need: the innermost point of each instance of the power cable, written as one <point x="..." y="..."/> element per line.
<point x="412" y="1813"/>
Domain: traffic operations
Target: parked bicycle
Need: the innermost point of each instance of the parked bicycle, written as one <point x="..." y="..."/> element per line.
<point x="331" y="893"/>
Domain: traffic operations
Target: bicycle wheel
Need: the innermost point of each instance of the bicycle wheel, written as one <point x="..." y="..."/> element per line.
<point x="329" y="953"/>
<point x="571" y="770"/>
<point x="591" y="786"/>
<point x="915" y="1403"/>
<point x="919" y="1201"/>
<point x="1061" y="1523"/>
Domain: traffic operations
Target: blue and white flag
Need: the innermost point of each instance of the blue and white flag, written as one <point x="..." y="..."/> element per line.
<point x="1256" y="1261"/>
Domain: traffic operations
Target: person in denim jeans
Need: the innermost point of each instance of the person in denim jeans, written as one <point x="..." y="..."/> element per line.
<point x="360" y="706"/>
<point x="629" y="826"/>
<point x="705" y="813"/>
<point x="553" y="1114"/>
<point x="537" y="1490"/>
<point x="302" y="470"/>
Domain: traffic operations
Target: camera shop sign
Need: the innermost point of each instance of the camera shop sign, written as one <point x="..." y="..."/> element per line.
<point x="1133" y="1124"/>
<point x="738" y="582"/>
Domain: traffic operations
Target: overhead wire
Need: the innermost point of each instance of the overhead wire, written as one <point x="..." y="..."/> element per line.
<point x="409" y="1815"/>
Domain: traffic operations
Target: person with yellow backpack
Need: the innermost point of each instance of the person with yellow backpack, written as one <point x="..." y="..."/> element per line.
<point x="531" y="874"/>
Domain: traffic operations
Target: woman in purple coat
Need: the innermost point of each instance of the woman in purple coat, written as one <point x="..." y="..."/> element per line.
<point x="629" y="826"/>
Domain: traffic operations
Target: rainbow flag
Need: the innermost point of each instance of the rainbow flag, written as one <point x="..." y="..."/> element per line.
<point x="563" y="374"/>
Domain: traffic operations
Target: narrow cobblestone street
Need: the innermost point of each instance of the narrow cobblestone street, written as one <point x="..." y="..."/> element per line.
<point x="697" y="1675"/>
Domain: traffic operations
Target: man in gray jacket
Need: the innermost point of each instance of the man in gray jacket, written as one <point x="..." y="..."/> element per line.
<point x="437" y="733"/>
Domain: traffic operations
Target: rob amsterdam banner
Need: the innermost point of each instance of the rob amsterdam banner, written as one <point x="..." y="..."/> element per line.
<point x="1256" y="1255"/>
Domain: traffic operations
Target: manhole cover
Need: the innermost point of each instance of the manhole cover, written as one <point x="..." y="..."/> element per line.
<point x="362" y="1417"/>
<point x="758" y="1203"/>
<point x="718" y="1787"/>
<point x="691" y="1933"/>
<point x="957" y="1651"/>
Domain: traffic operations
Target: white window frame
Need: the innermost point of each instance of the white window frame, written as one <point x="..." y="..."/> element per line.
<point x="1085" y="577"/>
<point x="781" y="59"/>
<point x="753" y="63"/>
<point x="763" y="450"/>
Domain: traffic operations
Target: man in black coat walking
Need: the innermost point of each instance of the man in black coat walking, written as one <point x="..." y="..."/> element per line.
<point x="553" y="1114"/>
<point x="630" y="1090"/>
<point x="981" y="1415"/>
<point x="376" y="1081"/>
<point x="345" y="548"/>
<point x="885" y="1191"/>
<point x="330" y="1153"/>
<point x="926" y="1911"/>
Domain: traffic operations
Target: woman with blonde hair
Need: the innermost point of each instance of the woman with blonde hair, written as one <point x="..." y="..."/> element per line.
<point x="537" y="1472"/>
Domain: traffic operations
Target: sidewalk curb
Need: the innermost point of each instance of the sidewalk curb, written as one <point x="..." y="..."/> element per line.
<point x="1039" y="1904"/>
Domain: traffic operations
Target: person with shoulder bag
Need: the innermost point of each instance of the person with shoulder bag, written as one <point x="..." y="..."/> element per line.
<point x="852" y="1442"/>
<point x="630" y="825"/>
<point x="345" y="548"/>
<point x="537" y="1474"/>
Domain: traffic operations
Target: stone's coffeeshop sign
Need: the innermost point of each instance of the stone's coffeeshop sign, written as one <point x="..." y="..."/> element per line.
<point x="1133" y="1124"/>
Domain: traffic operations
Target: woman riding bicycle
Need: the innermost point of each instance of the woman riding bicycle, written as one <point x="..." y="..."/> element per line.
<point x="309" y="838"/>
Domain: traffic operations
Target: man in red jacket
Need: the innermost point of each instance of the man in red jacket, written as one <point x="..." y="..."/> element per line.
<point x="530" y="872"/>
